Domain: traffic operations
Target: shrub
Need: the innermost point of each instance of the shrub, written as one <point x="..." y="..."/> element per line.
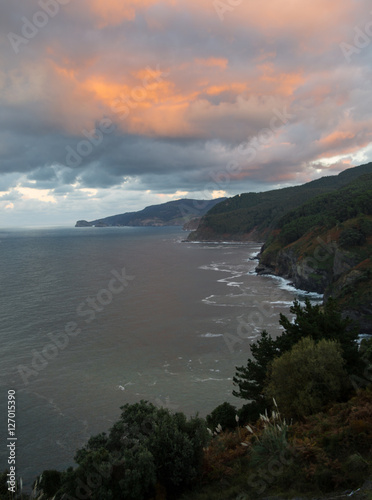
<point x="307" y="377"/>
<point x="249" y="413"/>
<point x="147" y="448"/>
<point x="49" y="482"/>
<point x="310" y="321"/>
<point x="352" y="237"/>
<point x="272" y="444"/>
<point x="225" y="415"/>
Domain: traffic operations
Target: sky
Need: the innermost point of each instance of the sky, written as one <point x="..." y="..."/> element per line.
<point x="108" y="106"/>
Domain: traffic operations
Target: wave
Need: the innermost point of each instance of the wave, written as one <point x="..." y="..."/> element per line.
<point x="210" y="379"/>
<point x="285" y="285"/>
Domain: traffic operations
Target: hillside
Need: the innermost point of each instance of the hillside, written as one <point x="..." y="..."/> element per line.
<point x="254" y="215"/>
<point x="172" y="213"/>
<point x="326" y="246"/>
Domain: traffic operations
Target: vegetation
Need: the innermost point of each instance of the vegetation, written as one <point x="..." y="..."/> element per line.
<point x="5" y="493"/>
<point x="310" y="321"/>
<point x="224" y="415"/>
<point x="261" y="212"/>
<point x="149" y="450"/>
<point x="307" y="374"/>
<point x="318" y="235"/>
<point x="326" y="246"/>
<point x="321" y="456"/>
<point x="313" y="373"/>
<point x="331" y="209"/>
<point x="304" y="379"/>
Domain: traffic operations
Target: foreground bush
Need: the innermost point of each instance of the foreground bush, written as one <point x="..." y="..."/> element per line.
<point x="310" y="321"/>
<point x="307" y="377"/>
<point x="224" y="415"/>
<point x="148" y="450"/>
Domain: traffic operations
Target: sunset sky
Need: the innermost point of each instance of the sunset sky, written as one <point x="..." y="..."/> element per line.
<point x="107" y="106"/>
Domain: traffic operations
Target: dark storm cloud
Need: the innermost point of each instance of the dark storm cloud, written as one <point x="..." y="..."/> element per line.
<point x="281" y="90"/>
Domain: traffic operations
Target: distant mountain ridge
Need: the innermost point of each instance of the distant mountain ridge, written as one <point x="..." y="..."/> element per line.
<point x="172" y="213"/>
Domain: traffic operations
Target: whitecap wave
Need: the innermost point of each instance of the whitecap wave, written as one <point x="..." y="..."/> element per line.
<point x="210" y="379"/>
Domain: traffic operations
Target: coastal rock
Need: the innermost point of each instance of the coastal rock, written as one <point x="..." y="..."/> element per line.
<point x="261" y="270"/>
<point x="83" y="223"/>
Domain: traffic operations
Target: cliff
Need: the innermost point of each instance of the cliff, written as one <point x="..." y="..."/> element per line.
<point x="325" y="246"/>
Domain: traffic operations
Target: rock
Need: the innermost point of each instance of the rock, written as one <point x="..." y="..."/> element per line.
<point x="261" y="270"/>
<point x="83" y="223"/>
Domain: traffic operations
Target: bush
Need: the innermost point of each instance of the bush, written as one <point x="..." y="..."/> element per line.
<point x="272" y="445"/>
<point x="249" y="413"/>
<point x="307" y="377"/>
<point x="352" y="237"/>
<point x="310" y="321"/>
<point x="147" y="449"/>
<point x="225" y="415"/>
<point x="49" y="482"/>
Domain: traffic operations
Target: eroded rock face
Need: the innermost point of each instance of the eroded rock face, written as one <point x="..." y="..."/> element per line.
<point x="343" y="262"/>
<point x="303" y="272"/>
<point x="335" y="274"/>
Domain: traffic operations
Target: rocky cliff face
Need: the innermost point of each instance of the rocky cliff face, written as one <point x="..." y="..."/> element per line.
<point x="329" y="269"/>
<point x="314" y="273"/>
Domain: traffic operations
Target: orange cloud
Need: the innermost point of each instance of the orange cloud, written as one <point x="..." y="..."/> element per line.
<point x="342" y="142"/>
<point x="237" y="88"/>
<point x="294" y="17"/>
<point x="336" y="138"/>
<point x="114" y="12"/>
<point x="177" y="105"/>
<point x="280" y="83"/>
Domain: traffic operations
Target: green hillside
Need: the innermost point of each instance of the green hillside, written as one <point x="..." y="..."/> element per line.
<point x="326" y="246"/>
<point x="254" y="215"/>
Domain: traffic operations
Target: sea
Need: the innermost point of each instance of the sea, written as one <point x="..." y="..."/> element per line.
<point x="95" y="318"/>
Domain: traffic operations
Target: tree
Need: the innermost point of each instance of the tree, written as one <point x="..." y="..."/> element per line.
<point x="250" y="379"/>
<point x="310" y="321"/>
<point x="320" y="323"/>
<point x="225" y="415"/>
<point x="307" y="377"/>
<point x="146" y="449"/>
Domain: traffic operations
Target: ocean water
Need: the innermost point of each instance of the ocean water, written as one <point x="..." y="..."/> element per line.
<point x="94" y="318"/>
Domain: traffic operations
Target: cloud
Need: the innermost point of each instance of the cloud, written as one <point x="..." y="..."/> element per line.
<point x="149" y="97"/>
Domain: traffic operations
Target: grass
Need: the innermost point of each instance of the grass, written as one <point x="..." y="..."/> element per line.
<point x="332" y="452"/>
